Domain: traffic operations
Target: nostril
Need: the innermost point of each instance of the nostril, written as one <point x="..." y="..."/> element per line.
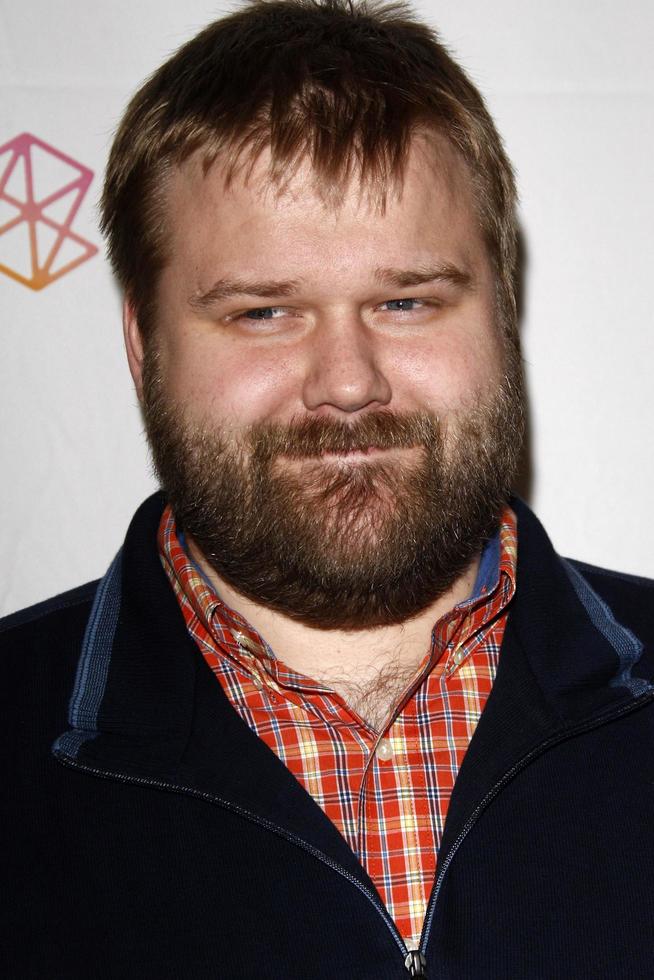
<point x="346" y="383"/>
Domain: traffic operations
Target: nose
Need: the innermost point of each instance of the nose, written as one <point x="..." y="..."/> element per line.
<point x="344" y="372"/>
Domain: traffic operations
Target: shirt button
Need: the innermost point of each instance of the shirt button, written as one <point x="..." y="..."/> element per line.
<point x="385" y="750"/>
<point x="258" y="683"/>
<point x="458" y="656"/>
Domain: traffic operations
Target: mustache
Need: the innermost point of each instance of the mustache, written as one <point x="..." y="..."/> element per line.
<point x="315" y="436"/>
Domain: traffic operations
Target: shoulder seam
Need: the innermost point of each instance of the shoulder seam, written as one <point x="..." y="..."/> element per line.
<point x="22" y="617"/>
<point x="647" y="583"/>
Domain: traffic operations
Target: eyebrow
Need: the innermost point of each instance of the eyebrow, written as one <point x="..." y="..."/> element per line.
<point x="271" y="289"/>
<point x="226" y="288"/>
<point x="445" y="272"/>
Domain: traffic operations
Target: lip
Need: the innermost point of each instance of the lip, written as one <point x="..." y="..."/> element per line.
<point x="361" y="455"/>
<point x="352" y="454"/>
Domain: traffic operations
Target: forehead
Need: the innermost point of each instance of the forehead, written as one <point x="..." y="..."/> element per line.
<point x="430" y="156"/>
<point x="295" y="218"/>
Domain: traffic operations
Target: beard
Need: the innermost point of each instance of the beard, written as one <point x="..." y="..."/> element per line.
<point x="332" y="543"/>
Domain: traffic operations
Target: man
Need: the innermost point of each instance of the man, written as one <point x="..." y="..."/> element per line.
<point x="337" y="709"/>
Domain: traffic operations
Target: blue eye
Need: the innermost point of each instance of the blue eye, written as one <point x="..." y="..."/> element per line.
<point x="402" y="305"/>
<point x="263" y="313"/>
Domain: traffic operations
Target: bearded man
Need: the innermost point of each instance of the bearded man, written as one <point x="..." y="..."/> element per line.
<point x="337" y="709"/>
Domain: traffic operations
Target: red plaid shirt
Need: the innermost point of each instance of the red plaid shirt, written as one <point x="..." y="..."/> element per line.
<point x="387" y="792"/>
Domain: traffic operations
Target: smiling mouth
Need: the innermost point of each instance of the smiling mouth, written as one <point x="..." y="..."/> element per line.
<point x="366" y="452"/>
<point x="360" y="454"/>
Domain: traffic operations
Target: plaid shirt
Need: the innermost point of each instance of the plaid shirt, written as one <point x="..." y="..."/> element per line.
<point x="386" y="792"/>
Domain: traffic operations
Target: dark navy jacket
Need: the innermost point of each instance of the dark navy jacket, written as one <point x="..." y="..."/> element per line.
<point x="148" y="833"/>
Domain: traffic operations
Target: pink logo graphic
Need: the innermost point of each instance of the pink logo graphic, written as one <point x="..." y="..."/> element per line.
<point x="41" y="190"/>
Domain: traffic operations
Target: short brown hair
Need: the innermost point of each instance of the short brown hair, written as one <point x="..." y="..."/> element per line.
<point x="345" y="84"/>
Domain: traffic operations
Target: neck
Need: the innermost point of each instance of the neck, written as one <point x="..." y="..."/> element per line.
<point x="371" y="668"/>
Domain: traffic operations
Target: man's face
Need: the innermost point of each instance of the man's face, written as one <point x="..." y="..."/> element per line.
<point x="329" y="399"/>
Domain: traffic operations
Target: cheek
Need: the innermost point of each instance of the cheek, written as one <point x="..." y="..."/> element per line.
<point x="445" y="375"/>
<point x="230" y="383"/>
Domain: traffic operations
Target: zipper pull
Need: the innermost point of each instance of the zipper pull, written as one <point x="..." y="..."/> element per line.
<point x="416" y="964"/>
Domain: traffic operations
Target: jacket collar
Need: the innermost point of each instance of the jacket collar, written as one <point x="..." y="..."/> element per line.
<point x="146" y="705"/>
<point x="565" y="664"/>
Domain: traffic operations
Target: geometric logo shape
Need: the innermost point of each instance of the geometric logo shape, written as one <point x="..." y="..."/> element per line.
<point x="41" y="190"/>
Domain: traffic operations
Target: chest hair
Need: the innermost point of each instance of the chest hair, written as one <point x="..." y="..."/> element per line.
<point x="374" y="691"/>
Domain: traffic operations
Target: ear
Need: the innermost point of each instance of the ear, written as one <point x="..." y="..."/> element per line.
<point x="133" y="345"/>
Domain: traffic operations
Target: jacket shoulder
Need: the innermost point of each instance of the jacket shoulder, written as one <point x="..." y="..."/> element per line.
<point x="630" y="597"/>
<point x="37" y="616"/>
<point x="39" y="651"/>
<point x="42" y="641"/>
<point x="620" y="579"/>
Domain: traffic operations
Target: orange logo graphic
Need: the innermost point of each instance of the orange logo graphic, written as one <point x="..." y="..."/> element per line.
<point x="41" y="190"/>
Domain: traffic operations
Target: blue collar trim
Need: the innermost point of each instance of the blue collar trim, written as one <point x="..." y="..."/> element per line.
<point x="488" y="574"/>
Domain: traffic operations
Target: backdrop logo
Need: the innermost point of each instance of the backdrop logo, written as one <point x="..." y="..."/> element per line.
<point x="41" y="190"/>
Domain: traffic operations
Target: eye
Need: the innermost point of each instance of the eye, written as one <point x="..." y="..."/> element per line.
<point x="403" y="305"/>
<point x="264" y="313"/>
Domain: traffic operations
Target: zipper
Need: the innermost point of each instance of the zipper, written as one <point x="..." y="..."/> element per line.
<point x="415" y="961"/>
<point x="416" y="964"/>
<point x="496" y="789"/>
<point x="410" y="958"/>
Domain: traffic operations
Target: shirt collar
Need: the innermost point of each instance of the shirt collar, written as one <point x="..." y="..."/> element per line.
<point x="455" y="635"/>
<point x="493" y="589"/>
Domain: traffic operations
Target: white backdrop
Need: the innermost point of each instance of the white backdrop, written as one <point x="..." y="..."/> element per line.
<point x="571" y="85"/>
